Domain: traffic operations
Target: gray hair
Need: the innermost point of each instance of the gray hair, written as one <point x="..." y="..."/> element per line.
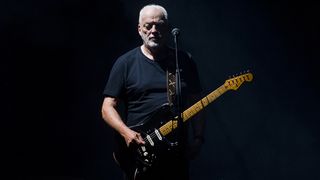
<point x="164" y="11"/>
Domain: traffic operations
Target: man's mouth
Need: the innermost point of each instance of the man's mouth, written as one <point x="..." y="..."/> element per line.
<point x="154" y="39"/>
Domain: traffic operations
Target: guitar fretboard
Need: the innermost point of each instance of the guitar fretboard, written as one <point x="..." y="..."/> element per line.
<point x="193" y="110"/>
<point x="233" y="83"/>
<point x="167" y="128"/>
<point x="198" y="106"/>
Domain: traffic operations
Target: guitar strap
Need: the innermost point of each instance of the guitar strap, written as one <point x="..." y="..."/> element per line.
<point x="171" y="86"/>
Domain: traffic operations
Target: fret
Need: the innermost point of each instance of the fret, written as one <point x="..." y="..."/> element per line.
<point x="211" y="97"/>
<point x="208" y="102"/>
<point x="199" y="106"/>
<point x="168" y="127"/>
<point x="204" y="103"/>
<point x="193" y="110"/>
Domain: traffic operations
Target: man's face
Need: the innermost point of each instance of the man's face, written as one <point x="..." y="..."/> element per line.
<point x="153" y="28"/>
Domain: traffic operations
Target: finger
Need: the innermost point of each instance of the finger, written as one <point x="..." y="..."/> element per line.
<point x="128" y="142"/>
<point x="139" y="139"/>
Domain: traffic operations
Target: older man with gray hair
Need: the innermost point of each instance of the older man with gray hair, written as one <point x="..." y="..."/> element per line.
<point x="147" y="146"/>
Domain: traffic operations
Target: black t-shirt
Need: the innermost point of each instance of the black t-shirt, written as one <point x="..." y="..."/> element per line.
<point x="141" y="83"/>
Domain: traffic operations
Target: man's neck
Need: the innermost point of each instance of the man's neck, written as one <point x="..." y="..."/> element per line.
<point x="153" y="54"/>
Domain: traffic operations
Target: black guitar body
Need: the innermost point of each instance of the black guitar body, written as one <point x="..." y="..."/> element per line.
<point x="137" y="159"/>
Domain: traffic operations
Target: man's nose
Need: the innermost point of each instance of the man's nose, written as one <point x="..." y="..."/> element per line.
<point x="154" y="28"/>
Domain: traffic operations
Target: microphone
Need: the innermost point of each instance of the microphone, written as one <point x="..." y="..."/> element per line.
<point x="175" y="32"/>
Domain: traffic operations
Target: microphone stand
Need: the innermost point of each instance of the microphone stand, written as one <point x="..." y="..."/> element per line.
<point x="175" y="33"/>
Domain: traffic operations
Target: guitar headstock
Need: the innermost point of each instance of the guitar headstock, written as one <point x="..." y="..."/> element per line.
<point x="236" y="81"/>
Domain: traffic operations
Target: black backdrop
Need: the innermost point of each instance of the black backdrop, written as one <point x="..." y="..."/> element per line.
<point x="57" y="55"/>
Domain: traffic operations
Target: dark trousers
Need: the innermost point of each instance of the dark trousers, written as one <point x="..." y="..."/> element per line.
<point x="169" y="168"/>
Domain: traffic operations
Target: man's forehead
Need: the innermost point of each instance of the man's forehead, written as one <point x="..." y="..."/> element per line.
<point x="153" y="14"/>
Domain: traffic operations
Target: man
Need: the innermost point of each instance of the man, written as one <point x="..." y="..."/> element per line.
<point x="139" y="80"/>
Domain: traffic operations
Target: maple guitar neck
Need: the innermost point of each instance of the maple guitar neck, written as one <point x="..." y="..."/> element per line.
<point x="200" y="105"/>
<point x="233" y="83"/>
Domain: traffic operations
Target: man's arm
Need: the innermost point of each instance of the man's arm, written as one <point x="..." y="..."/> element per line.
<point x="111" y="116"/>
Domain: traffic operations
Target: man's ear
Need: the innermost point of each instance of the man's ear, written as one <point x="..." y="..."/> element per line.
<point x="139" y="29"/>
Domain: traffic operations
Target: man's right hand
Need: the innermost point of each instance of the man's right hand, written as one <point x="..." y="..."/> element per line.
<point x="131" y="136"/>
<point x="112" y="117"/>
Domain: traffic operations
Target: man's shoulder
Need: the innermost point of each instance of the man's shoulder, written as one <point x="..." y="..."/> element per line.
<point x="130" y="54"/>
<point x="127" y="57"/>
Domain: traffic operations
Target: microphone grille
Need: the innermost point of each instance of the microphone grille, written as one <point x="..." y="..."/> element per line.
<point x="175" y="31"/>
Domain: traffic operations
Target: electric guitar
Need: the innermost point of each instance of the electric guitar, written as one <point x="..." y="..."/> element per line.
<point x="137" y="159"/>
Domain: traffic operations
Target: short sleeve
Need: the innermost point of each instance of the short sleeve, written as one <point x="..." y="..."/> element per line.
<point x="115" y="86"/>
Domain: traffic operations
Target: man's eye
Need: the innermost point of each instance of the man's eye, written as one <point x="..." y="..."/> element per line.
<point x="148" y="26"/>
<point x="161" y="26"/>
<point x="158" y="26"/>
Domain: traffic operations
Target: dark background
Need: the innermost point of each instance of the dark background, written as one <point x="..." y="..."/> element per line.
<point x="57" y="55"/>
